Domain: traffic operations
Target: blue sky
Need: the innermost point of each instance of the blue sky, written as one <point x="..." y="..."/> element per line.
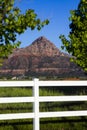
<point x="57" y="11"/>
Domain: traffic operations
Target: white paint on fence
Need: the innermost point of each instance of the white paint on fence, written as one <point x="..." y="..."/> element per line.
<point x="16" y="116"/>
<point x="36" y="115"/>
<point x="42" y="99"/>
<point x="62" y="83"/>
<point x="62" y="98"/>
<point x="16" y="83"/>
<point x="62" y="114"/>
<point x="16" y="99"/>
<point x="36" y="105"/>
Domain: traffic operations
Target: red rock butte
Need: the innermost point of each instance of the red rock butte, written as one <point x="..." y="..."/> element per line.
<point x="41" y="58"/>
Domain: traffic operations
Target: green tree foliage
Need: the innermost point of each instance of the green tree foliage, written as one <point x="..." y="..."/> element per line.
<point x="76" y="44"/>
<point x="12" y="23"/>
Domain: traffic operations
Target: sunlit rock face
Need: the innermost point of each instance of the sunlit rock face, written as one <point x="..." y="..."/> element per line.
<point x="41" y="58"/>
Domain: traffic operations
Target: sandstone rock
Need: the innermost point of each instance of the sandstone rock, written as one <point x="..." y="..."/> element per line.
<point x="41" y="58"/>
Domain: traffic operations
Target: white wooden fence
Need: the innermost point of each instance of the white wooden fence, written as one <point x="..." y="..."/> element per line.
<point x="36" y="115"/>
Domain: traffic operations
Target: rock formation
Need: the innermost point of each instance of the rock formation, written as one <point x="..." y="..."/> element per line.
<point x="41" y="58"/>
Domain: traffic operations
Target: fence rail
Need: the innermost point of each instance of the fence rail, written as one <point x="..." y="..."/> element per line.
<point x="36" y="115"/>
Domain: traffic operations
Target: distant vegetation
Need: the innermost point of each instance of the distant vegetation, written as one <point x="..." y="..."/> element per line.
<point x="71" y="123"/>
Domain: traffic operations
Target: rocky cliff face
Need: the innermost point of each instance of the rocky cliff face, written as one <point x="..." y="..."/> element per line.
<point x="40" y="47"/>
<point x="41" y="58"/>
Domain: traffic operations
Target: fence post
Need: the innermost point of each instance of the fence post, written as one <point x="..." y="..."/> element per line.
<point x="36" y="104"/>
